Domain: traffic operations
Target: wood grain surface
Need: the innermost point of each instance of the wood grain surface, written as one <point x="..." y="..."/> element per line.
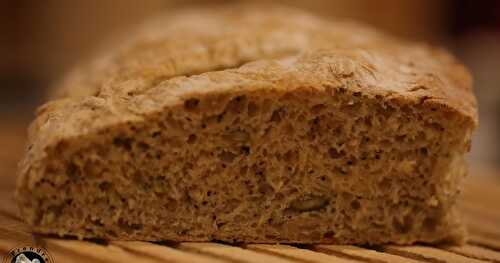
<point x="480" y="206"/>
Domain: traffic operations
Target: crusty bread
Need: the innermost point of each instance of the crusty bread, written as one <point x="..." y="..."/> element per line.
<point x="250" y="124"/>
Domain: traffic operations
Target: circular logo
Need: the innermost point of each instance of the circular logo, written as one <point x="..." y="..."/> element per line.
<point x="28" y="254"/>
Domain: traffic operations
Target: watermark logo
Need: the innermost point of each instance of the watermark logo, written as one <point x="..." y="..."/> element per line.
<point x="28" y="254"/>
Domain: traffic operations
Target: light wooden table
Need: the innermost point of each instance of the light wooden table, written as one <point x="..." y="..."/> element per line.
<point x="480" y="205"/>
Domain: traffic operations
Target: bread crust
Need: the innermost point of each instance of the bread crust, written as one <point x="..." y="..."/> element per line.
<point x="209" y="51"/>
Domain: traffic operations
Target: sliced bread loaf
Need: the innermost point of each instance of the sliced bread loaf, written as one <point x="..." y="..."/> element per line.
<point x="250" y="124"/>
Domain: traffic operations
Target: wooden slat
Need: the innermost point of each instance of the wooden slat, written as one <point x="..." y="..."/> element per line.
<point x="8" y="244"/>
<point x="72" y="255"/>
<point x="475" y="227"/>
<point x="89" y="252"/>
<point x="430" y="254"/>
<point x="164" y="253"/>
<point x="15" y="236"/>
<point x="485" y="241"/>
<point x="13" y="231"/>
<point x="302" y="255"/>
<point x="364" y="254"/>
<point x="475" y="252"/>
<point x="233" y="253"/>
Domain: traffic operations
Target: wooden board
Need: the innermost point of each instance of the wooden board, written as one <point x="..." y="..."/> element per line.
<point x="480" y="206"/>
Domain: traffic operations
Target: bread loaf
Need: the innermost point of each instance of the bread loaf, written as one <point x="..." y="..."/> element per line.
<point x="251" y="124"/>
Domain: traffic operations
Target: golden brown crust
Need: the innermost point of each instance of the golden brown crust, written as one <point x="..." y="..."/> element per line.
<point x="198" y="41"/>
<point x="199" y="52"/>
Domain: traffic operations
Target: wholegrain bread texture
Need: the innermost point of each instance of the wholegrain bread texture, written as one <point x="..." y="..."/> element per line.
<point x="250" y="124"/>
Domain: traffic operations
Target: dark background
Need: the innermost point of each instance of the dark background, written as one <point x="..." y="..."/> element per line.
<point x="41" y="40"/>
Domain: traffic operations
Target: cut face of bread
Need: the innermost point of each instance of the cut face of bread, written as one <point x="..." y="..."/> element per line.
<point x="359" y="141"/>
